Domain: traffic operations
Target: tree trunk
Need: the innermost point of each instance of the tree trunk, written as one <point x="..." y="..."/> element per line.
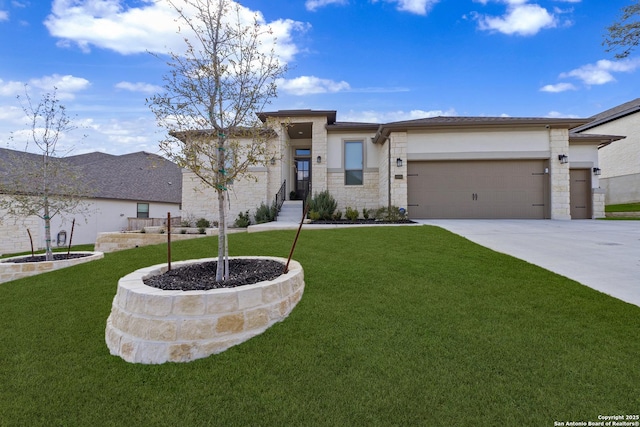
<point x="222" y="236"/>
<point x="47" y="231"/>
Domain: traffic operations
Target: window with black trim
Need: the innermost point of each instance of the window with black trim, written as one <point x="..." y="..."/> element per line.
<point x="353" y="162"/>
<point x="143" y="210"/>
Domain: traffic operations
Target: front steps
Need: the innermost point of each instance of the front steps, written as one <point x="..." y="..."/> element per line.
<point x="291" y="211"/>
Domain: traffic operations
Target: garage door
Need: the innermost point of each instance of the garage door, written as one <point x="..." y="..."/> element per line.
<point x="478" y="189"/>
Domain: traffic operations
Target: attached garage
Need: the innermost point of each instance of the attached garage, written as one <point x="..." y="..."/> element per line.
<point x="467" y="189"/>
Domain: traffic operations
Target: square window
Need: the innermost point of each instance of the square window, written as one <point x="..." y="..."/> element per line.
<point x="143" y="210"/>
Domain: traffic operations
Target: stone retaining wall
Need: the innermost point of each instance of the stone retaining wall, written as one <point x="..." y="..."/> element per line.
<point x="149" y="325"/>
<point x="112" y="242"/>
<point x="16" y="270"/>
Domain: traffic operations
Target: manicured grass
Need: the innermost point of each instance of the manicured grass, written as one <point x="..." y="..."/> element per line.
<point x="627" y="207"/>
<point x="397" y="326"/>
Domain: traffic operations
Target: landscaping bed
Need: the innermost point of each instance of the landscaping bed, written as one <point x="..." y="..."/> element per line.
<point x="202" y="276"/>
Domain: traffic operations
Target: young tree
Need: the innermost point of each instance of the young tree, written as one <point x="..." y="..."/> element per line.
<point x="625" y="33"/>
<point x="43" y="185"/>
<point x="213" y="94"/>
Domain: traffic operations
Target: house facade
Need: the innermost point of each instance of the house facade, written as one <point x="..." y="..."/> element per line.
<point x="619" y="162"/>
<point x="441" y="167"/>
<point x="137" y="185"/>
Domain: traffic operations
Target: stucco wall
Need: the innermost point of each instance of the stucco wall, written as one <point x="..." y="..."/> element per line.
<point x="621" y="189"/>
<point x="444" y="144"/>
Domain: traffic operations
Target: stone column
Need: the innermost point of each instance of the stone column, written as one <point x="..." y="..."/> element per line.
<point x="399" y="195"/>
<point x="560" y="182"/>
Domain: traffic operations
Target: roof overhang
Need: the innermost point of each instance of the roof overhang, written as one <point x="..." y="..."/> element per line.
<point x="185" y="135"/>
<point x="329" y="114"/>
<point x="593" y="139"/>
<point x="454" y="122"/>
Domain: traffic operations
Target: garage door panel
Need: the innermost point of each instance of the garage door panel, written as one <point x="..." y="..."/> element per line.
<point x="477" y="189"/>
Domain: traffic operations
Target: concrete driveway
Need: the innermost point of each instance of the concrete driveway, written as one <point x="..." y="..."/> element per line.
<point x="604" y="255"/>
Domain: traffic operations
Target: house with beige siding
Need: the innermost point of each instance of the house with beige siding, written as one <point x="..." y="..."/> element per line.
<point x="619" y="162"/>
<point x="440" y="167"/>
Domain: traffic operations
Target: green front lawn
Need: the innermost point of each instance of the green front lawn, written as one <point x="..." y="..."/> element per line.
<point x="398" y="326"/>
<point x="627" y="207"/>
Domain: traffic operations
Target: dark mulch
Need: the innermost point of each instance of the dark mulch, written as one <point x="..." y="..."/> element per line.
<point x="41" y="258"/>
<point x="361" y="221"/>
<point x="202" y="276"/>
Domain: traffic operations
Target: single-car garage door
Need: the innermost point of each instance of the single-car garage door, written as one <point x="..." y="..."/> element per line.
<point x="478" y="189"/>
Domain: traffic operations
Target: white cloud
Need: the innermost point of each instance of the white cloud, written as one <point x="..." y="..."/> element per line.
<point x="4" y="15"/>
<point x="558" y="115"/>
<point x="602" y="71"/>
<point x="372" y="116"/>
<point x="313" y="5"/>
<point x="310" y="85"/>
<point x="108" y="24"/>
<point x="139" y="87"/>
<point x="11" y="88"/>
<point x="418" y="7"/>
<point x="521" y="19"/>
<point x="66" y="85"/>
<point x="560" y="87"/>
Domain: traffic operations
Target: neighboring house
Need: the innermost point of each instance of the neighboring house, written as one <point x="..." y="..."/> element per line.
<point x="137" y="185"/>
<point x="442" y="167"/>
<point x="619" y="162"/>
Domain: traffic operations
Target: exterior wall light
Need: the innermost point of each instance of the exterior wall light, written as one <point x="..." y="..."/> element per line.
<point x="272" y="161"/>
<point x="399" y="162"/>
<point x="563" y="159"/>
<point x="319" y="159"/>
<point x="597" y="171"/>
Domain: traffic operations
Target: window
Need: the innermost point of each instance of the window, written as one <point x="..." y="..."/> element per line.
<point x="143" y="210"/>
<point x="353" y="162"/>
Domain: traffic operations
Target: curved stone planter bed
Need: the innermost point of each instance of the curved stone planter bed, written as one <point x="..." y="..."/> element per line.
<point x="151" y="326"/>
<point x="17" y="270"/>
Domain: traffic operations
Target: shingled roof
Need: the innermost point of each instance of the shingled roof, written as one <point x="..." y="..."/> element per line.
<point x="140" y="176"/>
<point x="611" y="114"/>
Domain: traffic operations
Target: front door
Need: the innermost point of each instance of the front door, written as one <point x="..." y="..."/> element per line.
<point x="302" y="173"/>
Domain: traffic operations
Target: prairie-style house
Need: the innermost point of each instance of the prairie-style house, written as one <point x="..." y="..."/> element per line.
<point x="440" y="167"/>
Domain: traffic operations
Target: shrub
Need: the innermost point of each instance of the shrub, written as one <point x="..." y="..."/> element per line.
<point x="314" y="216"/>
<point x="203" y="223"/>
<point x="265" y="213"/>
<point x="324" y="204"/>
<point x="392" y="213"/>
<point x="351" y="214"/>
<point x="243" y="220"/>
<point x="365" y="213"/>
<point x="338" y="215"/>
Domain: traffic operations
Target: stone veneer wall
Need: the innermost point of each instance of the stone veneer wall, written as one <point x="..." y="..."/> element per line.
<point x="148" y="325"/>
<point x="354" y="196"/>
<point x="112" y="242"/>
<point x="598" y="202"/>
<point x="560" y="180"/>
<point x="16" y="270"/>
<point x="14" y="233"/>
<point x="399" y="187"/>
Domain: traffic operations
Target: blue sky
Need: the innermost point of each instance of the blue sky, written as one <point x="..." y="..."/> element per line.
<point x="371" y="60"/>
